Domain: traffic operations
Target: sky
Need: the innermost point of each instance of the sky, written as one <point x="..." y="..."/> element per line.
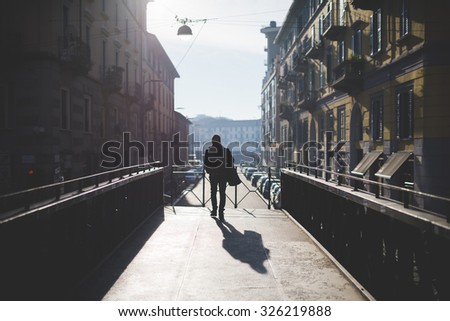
<point x="221" y="68"/>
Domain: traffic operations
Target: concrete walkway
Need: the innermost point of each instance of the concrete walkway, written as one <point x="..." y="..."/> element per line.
<point x="182" y="253"/>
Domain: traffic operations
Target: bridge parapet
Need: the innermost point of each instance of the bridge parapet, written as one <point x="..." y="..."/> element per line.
<point x="62" y="231"/>
<point x="396" y="252"/>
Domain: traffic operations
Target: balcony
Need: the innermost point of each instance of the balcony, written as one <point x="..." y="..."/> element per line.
<point x="286" y="111"/>
<point x="111" y="78"/>
<point x="312" y="49"/>
<point x="75" y="55"/>
<point x="149" y="103"/>
<point x="300" y="64"/>
<point x="307" y="100"/>
<point x="291" y="76"/>
<point x="365" y="4"/>
<point x="332" y="30"/>
<point x="134" y="93"/>
<point x="282" y="83"/>
<point x="349" y="76"/>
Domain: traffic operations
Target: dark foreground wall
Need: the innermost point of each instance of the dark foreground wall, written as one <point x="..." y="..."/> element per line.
<point x="47" y="250"/>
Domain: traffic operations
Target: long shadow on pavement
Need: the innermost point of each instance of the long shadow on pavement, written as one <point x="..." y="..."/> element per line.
<point x="246" y="247"/>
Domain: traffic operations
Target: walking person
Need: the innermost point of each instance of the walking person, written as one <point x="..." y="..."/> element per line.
<point x="216" y="161"/>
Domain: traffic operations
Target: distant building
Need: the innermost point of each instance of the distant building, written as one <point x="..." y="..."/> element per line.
<point x="236" y="134"/>
<point x="76" y="74"/>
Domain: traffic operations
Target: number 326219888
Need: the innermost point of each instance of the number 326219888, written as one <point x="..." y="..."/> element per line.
<point x="295" y="311"/>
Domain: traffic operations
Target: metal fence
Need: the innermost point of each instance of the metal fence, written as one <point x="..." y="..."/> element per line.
<point x="396" y="252"/>
<point x="53" y="236"/>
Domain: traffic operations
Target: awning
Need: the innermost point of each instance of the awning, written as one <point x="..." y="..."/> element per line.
<point x="394" y="162"/>
<point x="366" y="163"/>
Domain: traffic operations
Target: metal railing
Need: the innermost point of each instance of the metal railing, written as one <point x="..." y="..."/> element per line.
<point x="393" y="250"/>
<point x="235" y="199"/>
<point x="355" y="183"/>
<point x="52" y="236"/>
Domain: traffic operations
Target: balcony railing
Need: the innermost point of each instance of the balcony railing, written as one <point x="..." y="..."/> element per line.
<point x="332" y="30"/>
<point x="134" y="92"/>
<point x="75" y="54"/>
<point x="149" y="102"/>
<point x="286" y="111"/>
<point x="349" y="76"/>
<point x="111" y="77"/>
<point x="291" y="76"/>
<point x="312" y="48"/>
<point x="365" y="4"/>
<point x="300" y="64"/>
<point x="282" y="83"/>
<point x="307" y="100"/>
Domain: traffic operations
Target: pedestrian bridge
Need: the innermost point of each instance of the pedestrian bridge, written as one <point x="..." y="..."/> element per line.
<point x="112" y="236"/>
<point x="181" y="253"/>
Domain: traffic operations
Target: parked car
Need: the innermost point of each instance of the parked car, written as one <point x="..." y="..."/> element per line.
<point x="267" y="185"/>
<point x="255" y="177"/>
<point x="249" y="172"/>
<point x="260" y="183"/>
<point x="276" y="201"/>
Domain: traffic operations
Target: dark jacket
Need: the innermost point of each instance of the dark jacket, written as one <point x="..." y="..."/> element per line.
<point x="217" y="160"/>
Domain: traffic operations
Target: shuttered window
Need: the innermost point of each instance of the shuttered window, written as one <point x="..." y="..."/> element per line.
<point x="404" y="18"/>
<point x="405" y="113"/>
<point x="376" y="117"/>
<point x="375" y="32"/>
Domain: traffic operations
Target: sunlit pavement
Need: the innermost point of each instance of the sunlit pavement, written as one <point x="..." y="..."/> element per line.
<point x="181" y="253"/>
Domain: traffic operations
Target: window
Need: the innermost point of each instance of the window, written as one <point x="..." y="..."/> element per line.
<point x="375" y="32"/>
<point x="357" y="43"/>
<point x="330" y="121"/>
<point x="341" y="124"/>
<point x="321" y="82"/>
<point x="88" y="35"/>
<point x="341" y="52"/>
<point x="329" y="65"/>
<point x="321" y="125"/>
<point x="65" y="109"/>
<point x="127" y="75"/>
<point x="320" y="27"/>
<point x="3" y="108"/>
<point x="87" y="114"/>
<point x="405" y="113"/>
<point x="104" y="58"/>
<point x="376" y="117"/>
<point x="404" y="18"/>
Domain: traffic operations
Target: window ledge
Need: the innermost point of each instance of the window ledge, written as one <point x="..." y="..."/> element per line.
<point x="403" y="39"/>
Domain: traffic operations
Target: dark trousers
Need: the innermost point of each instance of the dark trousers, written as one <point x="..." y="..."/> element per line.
<point x="221" y="182"/>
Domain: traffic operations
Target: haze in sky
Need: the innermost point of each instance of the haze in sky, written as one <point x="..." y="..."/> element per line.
<point x="221" y="68"/>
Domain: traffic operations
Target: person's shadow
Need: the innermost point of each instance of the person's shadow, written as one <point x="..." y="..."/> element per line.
<point x="247" y="247"/>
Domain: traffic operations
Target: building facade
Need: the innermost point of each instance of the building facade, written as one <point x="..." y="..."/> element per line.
<point x="241" y="136"/>
<point x="368" y="79"/>
<point x="270" y="120"/>
<point x="76" y="74"/>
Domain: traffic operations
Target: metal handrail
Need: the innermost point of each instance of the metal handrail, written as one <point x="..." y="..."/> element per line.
<point x="79" y="182"/>
<point x="375" y="183"/>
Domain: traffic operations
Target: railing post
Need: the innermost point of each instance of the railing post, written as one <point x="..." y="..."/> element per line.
<point x="235" y="196"/>
<point x="203" y="188"/>
<point x="58" y="192"/>
<point x="377" y="191"/>
<point x="405" y="199"/>
<point x="270" y="178"/>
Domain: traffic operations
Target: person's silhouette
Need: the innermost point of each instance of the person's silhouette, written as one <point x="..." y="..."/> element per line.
<point x="216" y="161"/>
